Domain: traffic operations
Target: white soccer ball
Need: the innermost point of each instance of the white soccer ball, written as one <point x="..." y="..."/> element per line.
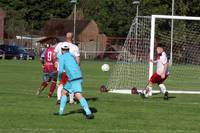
<point x="105" y="67"/>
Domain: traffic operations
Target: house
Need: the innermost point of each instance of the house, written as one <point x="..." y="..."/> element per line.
<point x="2" y="16"/>
<point x="87" y="32"/>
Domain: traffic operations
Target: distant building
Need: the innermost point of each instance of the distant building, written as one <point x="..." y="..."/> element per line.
<point x="87" y="32"/>
<point x="2" y="16"/>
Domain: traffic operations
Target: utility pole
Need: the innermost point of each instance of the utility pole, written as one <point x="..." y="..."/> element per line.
<point x="74" y="2"/>
<point x="136" y="3"/>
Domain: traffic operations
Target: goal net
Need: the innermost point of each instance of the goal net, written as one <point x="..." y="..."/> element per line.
<point x="182" y="42"/>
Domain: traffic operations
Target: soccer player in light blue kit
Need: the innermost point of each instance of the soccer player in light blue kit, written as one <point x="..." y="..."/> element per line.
<point x="67" y="63"/>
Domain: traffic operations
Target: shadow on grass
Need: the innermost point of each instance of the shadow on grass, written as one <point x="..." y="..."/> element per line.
<point x="93" y="110"/>
<point x="154" y="94"/>
<point x="161" y="97"/>
<point x="93" y="99"/>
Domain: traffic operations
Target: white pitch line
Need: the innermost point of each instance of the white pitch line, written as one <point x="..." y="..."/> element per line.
<point x="156" y="91"/>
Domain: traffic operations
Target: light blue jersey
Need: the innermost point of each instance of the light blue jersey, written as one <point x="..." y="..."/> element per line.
<point x="67" y="63"/>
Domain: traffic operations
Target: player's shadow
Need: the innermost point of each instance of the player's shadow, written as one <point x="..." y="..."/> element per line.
<point x="93" y="110"/>
<point x="154" y="94"/>
<point x="92" y="99"/>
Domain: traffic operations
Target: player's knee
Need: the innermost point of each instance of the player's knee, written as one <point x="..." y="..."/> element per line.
<point x="150" y="84"/>
<point x="78" y="96"/>
<point x="64" y="92"/>
<point x="44" y="83"/>
<point x="53" y="81"/>
<point x="61" y="85"/>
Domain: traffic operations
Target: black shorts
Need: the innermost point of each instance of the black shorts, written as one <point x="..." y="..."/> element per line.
<point x="49" y="76"/>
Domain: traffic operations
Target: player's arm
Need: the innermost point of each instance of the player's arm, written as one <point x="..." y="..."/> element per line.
<point x="77" y="55"/>
<point x="57" y="49"/>
<point x="42" y="58"/>
<point x="61" y="68"/>
<point x="42" y="61"/>
<point x="54" y="60"/>
<point x="153" y="61"/>
<point x="163" y="74"/>
<point x="165" y="64"/>
<point x="78" y="60"/>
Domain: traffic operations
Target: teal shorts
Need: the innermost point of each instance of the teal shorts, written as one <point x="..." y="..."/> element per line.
<point x="74" y="86"/>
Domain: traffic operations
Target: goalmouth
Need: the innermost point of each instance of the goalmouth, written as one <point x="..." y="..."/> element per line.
<point x="183" y="47"/>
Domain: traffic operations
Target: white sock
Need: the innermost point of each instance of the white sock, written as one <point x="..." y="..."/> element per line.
<point x="71" y="98"/>
<point x="150" y="91"/>
<point x="59" y="91"/>
<point x="162" y="88"/>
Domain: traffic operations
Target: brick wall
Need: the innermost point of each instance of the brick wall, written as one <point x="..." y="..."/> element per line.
<point x="90" y="33"/>
<point x="2" y="16"/>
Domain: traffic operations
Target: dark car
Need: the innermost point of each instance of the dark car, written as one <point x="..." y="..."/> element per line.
<point x="31" y="52"/>
<point x="2" y="54"/>
<point x="10" y="51"/>
<point x="13" y="51"/>
<point x="24" y="54"/>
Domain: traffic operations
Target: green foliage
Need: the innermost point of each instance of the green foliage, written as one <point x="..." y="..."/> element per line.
<point x="112" y="16"/>
<point x="28" y="15"/>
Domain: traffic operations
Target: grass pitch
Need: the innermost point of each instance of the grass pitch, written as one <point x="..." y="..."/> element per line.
<point x="21" y="111"/>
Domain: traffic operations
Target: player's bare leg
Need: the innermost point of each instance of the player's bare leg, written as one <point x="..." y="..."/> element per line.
<point x="44" y="84"/>
<point x="42" y="87"/>
<point x="52" y="88"/>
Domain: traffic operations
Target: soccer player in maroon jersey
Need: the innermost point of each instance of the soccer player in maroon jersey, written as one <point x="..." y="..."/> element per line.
<point x="49" y="70"/>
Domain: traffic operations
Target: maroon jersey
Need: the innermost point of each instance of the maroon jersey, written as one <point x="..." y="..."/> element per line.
<point x="49" y="60"/>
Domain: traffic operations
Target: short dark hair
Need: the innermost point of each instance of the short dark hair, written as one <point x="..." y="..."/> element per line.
<point x="161" y="45"/>
<point x="64" y="49"/>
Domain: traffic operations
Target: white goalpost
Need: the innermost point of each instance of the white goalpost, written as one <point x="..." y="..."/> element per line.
<point x="133" y="69"/>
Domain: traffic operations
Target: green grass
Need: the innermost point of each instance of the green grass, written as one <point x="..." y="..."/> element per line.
<point x="23" y="112"/>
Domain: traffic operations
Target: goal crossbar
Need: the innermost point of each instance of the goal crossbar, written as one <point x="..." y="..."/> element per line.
<point x="175" y="17"/>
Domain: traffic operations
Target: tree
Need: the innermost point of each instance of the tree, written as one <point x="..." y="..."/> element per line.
<point x="112" y="16"/>
<point x="31" y="15"/>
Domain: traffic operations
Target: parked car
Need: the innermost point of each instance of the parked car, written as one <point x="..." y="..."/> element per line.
<point x="13" y="51"/>
<point x="24" y="54"/>
<point x="31" y="52"/>
<point x="2" y="54"/>
<point x="10" y="51"/>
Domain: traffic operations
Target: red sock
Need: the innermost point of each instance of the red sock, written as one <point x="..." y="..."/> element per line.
<point x="44" y="85"/>
<point x="52" y="88"/>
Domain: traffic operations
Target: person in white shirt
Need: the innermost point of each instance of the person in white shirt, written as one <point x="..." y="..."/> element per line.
<point x="160" y="75"/>
<point x="74" y="50"/>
